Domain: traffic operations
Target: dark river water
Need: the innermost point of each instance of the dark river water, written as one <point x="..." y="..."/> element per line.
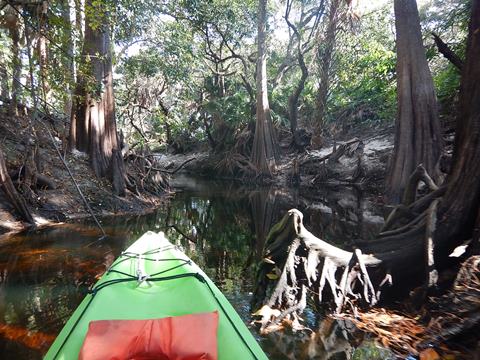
<point x="45" y="274"/>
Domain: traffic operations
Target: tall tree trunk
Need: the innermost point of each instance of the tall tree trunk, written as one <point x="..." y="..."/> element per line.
<point x="3" y="80"/>
<point x="69" y="63"/>
<point x="418" y="137"/>
<point x="93" y="115"/>
<point x="14" y="33"/>
<point x="42" y="49"/>
<point x="79" y="21"/>
<point x="293" y="99"/>
<point x="401" y="251"/>
<point x="461" y="204"/>
<point x="324" y="57"/>
<point x="77" y="112"/>
<point x="265" y="147"/>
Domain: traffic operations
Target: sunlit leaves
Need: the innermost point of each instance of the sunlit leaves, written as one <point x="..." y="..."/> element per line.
<point x="364" y="72"/>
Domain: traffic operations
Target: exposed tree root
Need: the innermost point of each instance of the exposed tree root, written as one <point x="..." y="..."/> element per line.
<point x="411" y="212"/>
<point x="293" y="256"/>
<point x="454" y="313"/>
<point x="300" y="263"/>
<point x="297" y="264"/>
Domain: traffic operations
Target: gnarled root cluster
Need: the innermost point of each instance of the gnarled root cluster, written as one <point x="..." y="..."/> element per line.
<point x="300" y="265"/>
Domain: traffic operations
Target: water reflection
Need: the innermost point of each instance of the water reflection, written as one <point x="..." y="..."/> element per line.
<point x="45" y="274"/>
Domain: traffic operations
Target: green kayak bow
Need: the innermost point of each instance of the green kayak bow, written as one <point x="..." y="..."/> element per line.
<point x="154" y="279"/>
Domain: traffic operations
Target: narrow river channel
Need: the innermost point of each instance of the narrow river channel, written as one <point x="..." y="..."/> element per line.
<point x="222" y="226"/>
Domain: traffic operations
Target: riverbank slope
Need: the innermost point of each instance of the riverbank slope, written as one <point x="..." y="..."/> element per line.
<point x="51" y="194"/>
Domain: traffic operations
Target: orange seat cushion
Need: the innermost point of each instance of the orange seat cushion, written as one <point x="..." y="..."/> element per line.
<point x="187" y="337"/>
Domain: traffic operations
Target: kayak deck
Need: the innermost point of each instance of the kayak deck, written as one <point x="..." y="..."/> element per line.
<point x="154" y="279"/>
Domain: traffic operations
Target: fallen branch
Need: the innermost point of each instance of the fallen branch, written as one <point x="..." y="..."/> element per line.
<point x="337" y="152"/>
<point x="449" y="54"/>
<point x="171" y="172"/>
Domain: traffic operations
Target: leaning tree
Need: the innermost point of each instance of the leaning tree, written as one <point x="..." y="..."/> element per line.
<point x="93" y="126"/>
<point x="418" y="138"/>
<point x="415" y="243"/>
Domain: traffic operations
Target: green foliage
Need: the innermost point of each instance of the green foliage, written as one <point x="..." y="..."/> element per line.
<point x="186" y="69"/>
<point x="447" y="82"/>
<point x="449" y="20"/>
<point x="365" y="70"/>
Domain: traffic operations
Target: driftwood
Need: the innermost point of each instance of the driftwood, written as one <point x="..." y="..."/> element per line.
<point x="336" y="153"/>
<point x="178" y="168"/>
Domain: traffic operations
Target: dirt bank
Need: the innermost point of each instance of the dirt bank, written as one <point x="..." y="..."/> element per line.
<point x="358" y="160"/>
<point x="55" y="198"/>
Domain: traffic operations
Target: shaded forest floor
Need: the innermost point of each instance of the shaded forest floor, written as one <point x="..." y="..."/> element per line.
<point x="58" y="201"/>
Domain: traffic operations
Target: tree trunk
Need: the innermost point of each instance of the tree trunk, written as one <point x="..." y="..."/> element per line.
<point x="418" y="138"/>
<point x="42" y="49"/>
<point x="69" y="60"/>
<point x="16" y="200"/>
<point x="294" y="97"/>
<point x="265" y="147"/>
<point x="3" y="83"/>
<point x="93" y="127"/>
<point x="77" y="111"/>
<point x="402" y="251"/>
<point x="324" y="57"/>
<point x="14" y="32"/>
<point x="3" y="77"/>
<point x="79" y="20"/>
<point x="461" y="203"/>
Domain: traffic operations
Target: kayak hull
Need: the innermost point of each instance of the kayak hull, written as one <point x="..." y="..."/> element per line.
<point x="162" y="282"/>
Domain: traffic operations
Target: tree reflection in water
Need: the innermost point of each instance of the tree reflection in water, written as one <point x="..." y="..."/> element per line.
<point x="45" y="274"/>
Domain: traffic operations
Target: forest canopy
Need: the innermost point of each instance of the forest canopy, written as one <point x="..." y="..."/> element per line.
<point x="184" y="72"/>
